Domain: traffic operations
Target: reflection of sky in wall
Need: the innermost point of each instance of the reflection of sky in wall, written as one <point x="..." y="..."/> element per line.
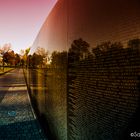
<point x="21" y="20"/>
<point x="114" y="20"/>
<point x="93" y="20"/>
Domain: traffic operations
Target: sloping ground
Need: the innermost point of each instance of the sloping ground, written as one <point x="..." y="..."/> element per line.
<point x="5" y="70"/>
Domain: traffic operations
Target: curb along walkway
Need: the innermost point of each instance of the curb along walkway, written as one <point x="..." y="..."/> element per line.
<point x="17" y="119"/>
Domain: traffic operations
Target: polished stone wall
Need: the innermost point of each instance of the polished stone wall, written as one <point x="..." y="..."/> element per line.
<point x="83" y="70"/>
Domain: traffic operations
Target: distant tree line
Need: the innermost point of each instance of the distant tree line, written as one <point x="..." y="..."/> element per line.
<point x="79" y="50"/>
<point x="8" y="57"/>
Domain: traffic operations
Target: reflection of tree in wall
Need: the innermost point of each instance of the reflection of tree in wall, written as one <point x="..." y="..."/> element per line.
<point x="36" y="60"/>
<point x="112" y="70"/>
<point x="39" y="58"/>
<point x="79" y="50"/>
<point x="134" y="44"/>
<point x="59" y="59"/>
<point x="86" y="72"/>
<point x="104" y="47"/>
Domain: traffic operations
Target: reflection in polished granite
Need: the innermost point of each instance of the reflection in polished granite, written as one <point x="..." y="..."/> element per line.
<point x="83" y="70"/>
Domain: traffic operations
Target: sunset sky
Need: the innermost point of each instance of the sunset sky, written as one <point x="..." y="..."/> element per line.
<point x="21" y="20"/>
<point x="94" y="21"/>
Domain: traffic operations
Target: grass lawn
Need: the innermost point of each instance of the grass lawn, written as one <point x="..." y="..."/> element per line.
<point x="6" y="69"/>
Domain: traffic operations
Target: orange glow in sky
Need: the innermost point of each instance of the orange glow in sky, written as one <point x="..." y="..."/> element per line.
<point x="21" y="20"/>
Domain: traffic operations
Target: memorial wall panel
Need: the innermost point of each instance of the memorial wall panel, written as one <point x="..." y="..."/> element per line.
<point x="84" y="70"/>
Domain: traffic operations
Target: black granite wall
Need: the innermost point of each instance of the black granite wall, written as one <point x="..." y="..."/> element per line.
<point x="103" y="96"/>
<point x="85" y="87"/>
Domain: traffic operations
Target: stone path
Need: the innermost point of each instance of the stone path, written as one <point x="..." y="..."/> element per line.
<point x="17" y="119"/>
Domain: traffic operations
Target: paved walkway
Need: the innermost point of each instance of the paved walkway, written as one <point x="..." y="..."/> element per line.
<point x="17" y="120"/>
